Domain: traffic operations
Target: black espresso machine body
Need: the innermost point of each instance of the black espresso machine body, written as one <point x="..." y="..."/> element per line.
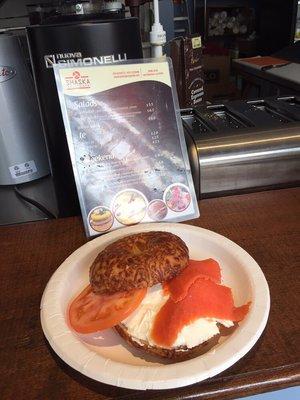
<point x="84" y="43"/>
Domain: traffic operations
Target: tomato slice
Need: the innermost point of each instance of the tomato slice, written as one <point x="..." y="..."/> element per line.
<point x="90" y="312"/>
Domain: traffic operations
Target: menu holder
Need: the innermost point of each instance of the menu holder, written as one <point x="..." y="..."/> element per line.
<point x="126" y="143"/>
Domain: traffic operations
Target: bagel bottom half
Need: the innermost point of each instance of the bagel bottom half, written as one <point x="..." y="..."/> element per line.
<point x="181" y="353"/>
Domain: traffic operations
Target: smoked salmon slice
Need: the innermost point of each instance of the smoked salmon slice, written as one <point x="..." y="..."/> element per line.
<point x="204" y="299"/>
<point x="179" y="286"/>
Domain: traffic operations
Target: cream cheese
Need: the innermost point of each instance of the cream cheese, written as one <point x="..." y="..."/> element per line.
<point x="139" y="323"/>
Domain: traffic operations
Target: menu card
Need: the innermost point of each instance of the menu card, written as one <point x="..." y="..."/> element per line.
<point x="126" y="143"/>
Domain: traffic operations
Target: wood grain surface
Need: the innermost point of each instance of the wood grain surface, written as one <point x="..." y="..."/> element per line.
<point x="265" y="224"/>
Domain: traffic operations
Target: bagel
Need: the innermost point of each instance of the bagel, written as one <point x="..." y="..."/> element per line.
<point x="180" y="353"/>
<point x="138" y="261"/>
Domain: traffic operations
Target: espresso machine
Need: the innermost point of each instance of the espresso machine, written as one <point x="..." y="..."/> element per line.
<point x="24" y="162"/>
<point x="106" y="37"/>
<point x="23" y="151"/>
<point x="36" y="177"/>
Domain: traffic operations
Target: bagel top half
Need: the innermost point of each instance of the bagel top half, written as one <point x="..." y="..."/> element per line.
<point x="138" y="261"/>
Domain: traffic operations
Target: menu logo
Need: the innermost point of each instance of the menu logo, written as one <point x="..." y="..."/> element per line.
<point x="6" y="73"/>
<point x="77" y="59"/>
<point x="77" y="81"/>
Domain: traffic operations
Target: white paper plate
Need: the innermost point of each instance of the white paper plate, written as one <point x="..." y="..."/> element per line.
<point x="105" y="357"/>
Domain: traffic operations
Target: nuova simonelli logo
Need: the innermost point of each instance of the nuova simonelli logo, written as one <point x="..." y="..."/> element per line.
<point x="77" y="59"/>
<point x="6" y="73"/>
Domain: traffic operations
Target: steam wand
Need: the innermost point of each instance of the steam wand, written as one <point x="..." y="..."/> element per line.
<point x="157" y="34"/>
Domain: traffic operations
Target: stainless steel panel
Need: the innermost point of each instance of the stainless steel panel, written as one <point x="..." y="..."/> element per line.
<point x="23" y="155"/>
<point x="249" y="160"/>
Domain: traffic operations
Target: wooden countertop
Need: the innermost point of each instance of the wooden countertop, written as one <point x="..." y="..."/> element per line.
<point x="266" y="224"/>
